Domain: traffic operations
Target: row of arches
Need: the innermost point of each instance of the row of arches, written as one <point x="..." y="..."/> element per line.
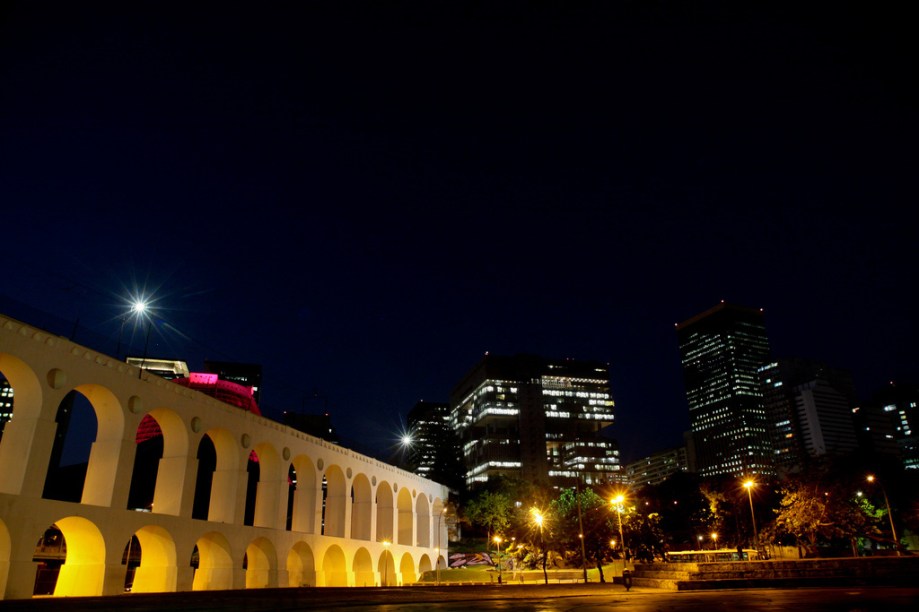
<point x="180" y="469"/>
<point x="153" y="562"/>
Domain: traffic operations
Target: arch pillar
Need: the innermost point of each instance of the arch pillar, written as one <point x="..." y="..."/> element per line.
<point x="267" y="496"/>
<point x="175" y="493"/>
<point x="110" y="461"/>
<point x="227" y="502"/>
<point x="113" y="579"/>
<point x="25" y="454"/>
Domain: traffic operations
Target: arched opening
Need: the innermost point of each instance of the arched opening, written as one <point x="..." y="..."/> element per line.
<point x="87" y="447"/>
<point x="407" y="569"/>
<point x="215" y="489"/>
<point x="386" y="566"/>
<point x="253" y="471"/>
<point x="207" y="463"/>
<point x="50" y="551"/>
<point x="423" y="519"/>
<point x="152" y="553"/>
<point x="303" y="510"/>
<point x="424" y="565"/>
<point x="384" y="502"/>
<point x="333" y="507"/>
<point x="82" y="569"/>
<point x="404" y="502"/>
<point x="361" y="509"/>
<point x="213" y="563"/>
<point x="291" y="495"/>
<point x="261" y="564"/>
<point x="149" y="441"/>
<point x="301" y="566"/>
<point x="160" y="462"/>
<point x="334" y="568"/>
<point x="362" y="568"/>
<point x="20" y="393"/>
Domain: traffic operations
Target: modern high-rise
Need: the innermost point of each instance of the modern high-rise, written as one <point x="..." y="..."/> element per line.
<point x="809" y="407"/>
<point x="536" y="419"/>
<point x="432" y="448"/>
<point x="655" y="469"/>
<point x="898" y="402"/>
<point x="721" y="351"/>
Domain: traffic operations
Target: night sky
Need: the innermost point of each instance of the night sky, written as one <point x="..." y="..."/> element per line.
<point x="367" y="197"/>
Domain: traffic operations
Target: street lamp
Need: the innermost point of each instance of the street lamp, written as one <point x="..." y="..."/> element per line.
<point x="748" y="485"/>
<point x="538" y="519"/>
<point x="385" y="579"/>
<point x="714" y="540"/>
<point x="497" y="541"/>
<point x="701" y="537"/>
<point x="617" y="502"/>
<point x="893" y="530"/>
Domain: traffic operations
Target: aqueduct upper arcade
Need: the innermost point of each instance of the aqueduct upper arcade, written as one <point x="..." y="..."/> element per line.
<point x="310" y="513"/>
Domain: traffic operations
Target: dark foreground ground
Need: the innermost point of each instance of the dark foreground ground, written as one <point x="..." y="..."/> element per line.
<point x="541" y="598"/>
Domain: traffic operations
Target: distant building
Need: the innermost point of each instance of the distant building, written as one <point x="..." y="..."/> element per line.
<point x="318" y="425"/>
<point x="246" y="374"/>
<point x="536" y="419"/>
<point x="169" y="369"/>
<point x="433" y="449"/>
<point x="656" y="468"/>
<point x="721" y="351"/>
<point x="6" y="403"/>
<point x="898" y="403"/>
<point x="809" y="408"/>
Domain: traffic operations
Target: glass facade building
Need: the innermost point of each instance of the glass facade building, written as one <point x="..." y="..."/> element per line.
<point x="536" y="419"/>
<point x="721" y="351"/>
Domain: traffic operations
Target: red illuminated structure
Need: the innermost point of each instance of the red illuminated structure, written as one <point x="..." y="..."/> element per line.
<point x="231" y="393"/>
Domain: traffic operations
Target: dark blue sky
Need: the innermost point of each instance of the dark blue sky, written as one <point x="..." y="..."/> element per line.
<point x="366" y="197"/>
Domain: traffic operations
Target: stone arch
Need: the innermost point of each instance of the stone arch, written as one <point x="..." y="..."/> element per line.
<point x="158" y="570"/>
<point x="303" y="510"/>
<point x="272" y="485"/>
<point x="18" y="434"/>
<point x="215" y="563"/>
<point x="334" y="568"/>
<point x="361" y="508"/>
<point x="83" y="571"/>
<point x="334" y="509"/>
<point x="386" y="566"/>
<point x="160" y="463"/>
<point x="406" y="516"/>
<point x="301" y="565"/>
<point x="222" y="487"/>
<point x="362" y="568"/>
<point x="5" y="551"/>
<point x="385" y="507"/>
<point x="423" y="521"/>
<point x="261" y="564"/>
<point x="407" y="569"/>
<point x="424" y="565"/>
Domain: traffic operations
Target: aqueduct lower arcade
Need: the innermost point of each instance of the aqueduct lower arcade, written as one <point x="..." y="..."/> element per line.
<point x="219" y="498"/>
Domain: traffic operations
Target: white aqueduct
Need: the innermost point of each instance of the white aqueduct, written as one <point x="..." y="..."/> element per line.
<point x="350" y="520"/>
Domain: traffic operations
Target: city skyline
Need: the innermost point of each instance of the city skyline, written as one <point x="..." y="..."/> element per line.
<point x="367" y="199"/>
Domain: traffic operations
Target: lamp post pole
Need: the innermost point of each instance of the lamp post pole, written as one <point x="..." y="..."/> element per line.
<point x="748" y="485"/>
<point x="893" y="530"/>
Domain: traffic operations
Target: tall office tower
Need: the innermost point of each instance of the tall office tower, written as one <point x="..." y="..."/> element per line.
<point x="899" y="402"/>
<point x="433" y="449"/>
<point x="721" y="351"/>
<point x="536" y="419"/>
<point x="809" y="410"/>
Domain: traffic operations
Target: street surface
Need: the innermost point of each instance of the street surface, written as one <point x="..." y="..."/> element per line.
<point x="542" y="598"/>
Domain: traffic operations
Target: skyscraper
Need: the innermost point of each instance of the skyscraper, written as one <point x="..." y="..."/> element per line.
<point x="536" y="419"/>
<point x="433" y="448"/>
<point x="721" y="351"/>
<point x="809" y="410"/>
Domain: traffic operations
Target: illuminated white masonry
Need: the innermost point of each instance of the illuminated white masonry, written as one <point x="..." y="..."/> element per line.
<point x="370" y="524"/>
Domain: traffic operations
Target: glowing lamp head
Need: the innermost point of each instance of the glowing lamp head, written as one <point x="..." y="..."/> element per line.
<point x="870" y="478"/>
<point x="748" y="484"/>
<point x="406" y="439"/>
<point x="139" y="307"/>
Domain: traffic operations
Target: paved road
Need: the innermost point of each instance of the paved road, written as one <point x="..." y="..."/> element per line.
<point x="552" y="598"/>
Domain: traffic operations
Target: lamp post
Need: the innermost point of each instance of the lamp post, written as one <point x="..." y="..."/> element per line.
<point x="497" y="541"/>
<point x="385" y="578"/>
<point x="440" y="517"/>
<point x="748" y="485"/>
<point x="714" y="540"/>
<point x="538" y="519"/>
<point x="617" y="502"/>
<point x="893" y="530"/>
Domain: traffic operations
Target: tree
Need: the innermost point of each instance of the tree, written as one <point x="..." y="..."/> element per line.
<point x="491" y="510"/>
<point x="596" y="520"/>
